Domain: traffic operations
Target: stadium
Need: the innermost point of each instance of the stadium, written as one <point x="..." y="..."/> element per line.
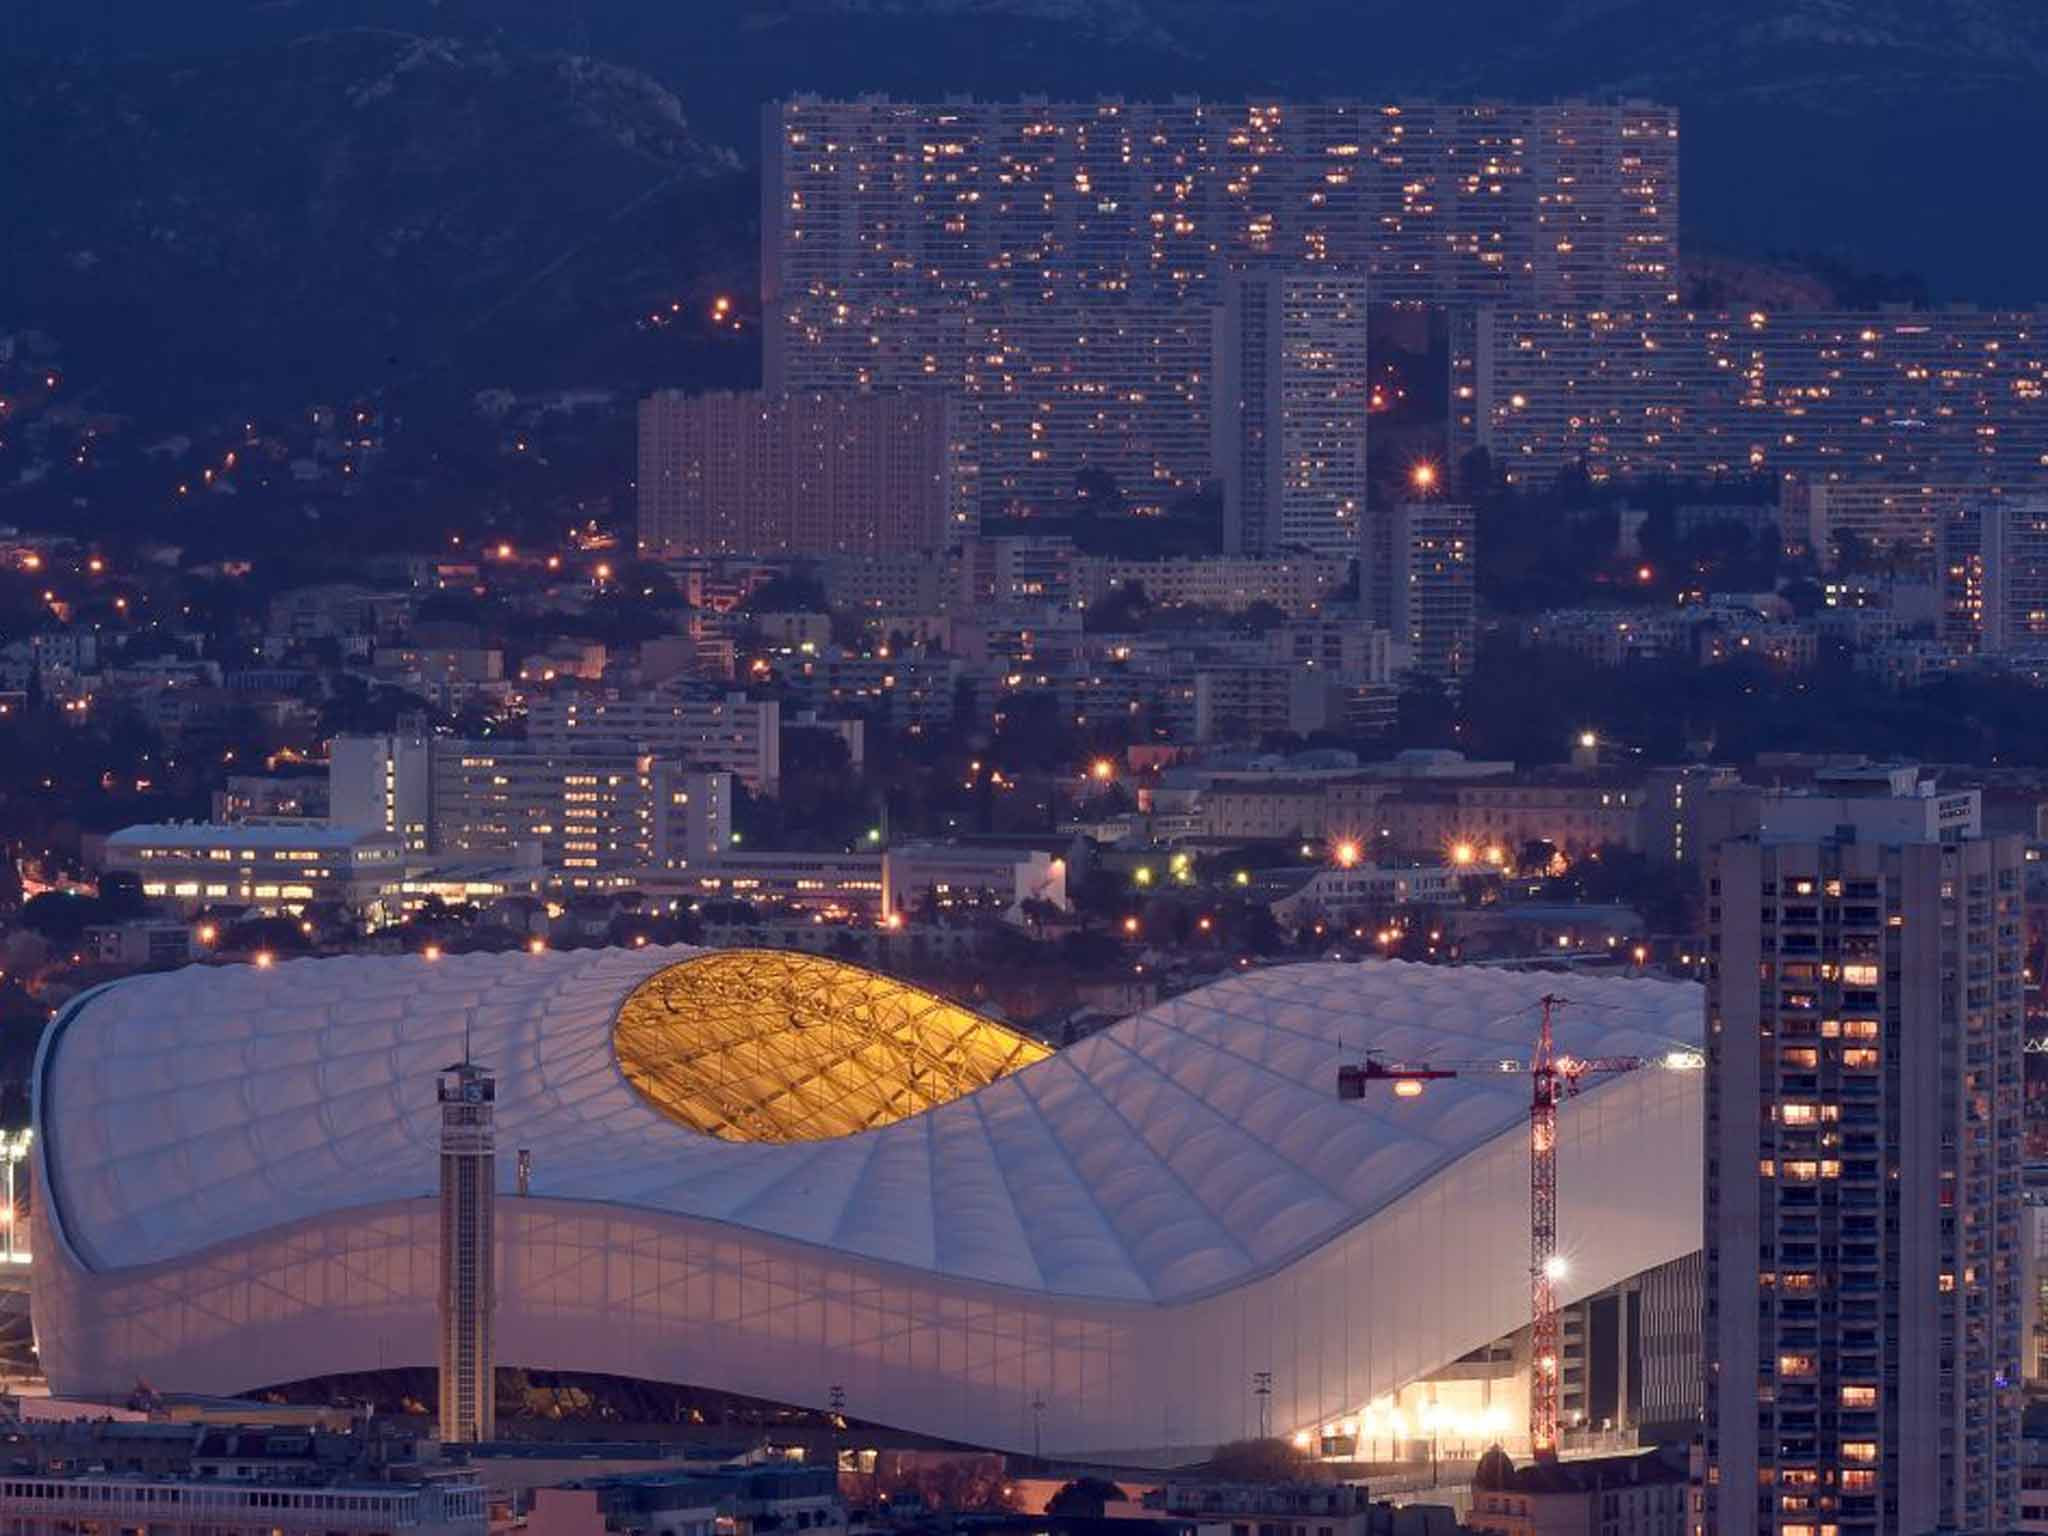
<point x="776" y="1175"/>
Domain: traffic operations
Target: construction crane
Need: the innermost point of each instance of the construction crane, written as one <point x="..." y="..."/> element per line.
<point x="1552" y="1077"/>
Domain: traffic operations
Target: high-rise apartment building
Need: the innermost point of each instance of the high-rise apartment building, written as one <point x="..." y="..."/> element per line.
<point x="1290" y="414"/>
<point x="811" y="473"/>
<point x="875" y="213"/>
<point x="1061" y="266"/>
<point x="1897" y="523"/>
<point x="1424" y="581"/>
<point x="469" y="1252"/>
<point x="1993" y="574"/>
<point x="712" y="729"/>
<point x="1865" y="1031"/>
<point x="1951" y="396"/>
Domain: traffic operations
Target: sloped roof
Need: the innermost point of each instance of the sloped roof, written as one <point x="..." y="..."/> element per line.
<point x="1186" y="1149"/>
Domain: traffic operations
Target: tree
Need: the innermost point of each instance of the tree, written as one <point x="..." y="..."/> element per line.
<point x="797" y="592"/>
<point x="1085" y="1497"/>
<point x="1125" y="608"/>
<point x="60" y="916"/>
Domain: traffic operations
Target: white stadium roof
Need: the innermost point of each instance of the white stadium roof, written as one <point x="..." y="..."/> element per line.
<point x="1196" y="1151"/>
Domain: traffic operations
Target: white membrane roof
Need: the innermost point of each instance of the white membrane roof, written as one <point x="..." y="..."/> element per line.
<point x="1189" y="1148"/>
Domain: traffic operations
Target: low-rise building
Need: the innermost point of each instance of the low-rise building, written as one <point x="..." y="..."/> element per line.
<point x="1647" y="1493"/>
<point x="1295" y="1509"/>
<point x="1297" y="585"/>
<point x="143" y="943"/>
<point x="274" y="864"/>
<point x="245" y="1482"/>
<point x="738" y="1502"/>
<point x="965" y="877"/>
<point x="1341" y="894"/>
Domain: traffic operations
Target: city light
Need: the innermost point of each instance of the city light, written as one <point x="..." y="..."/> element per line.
<point x="1588" y="740"/>
<point x="536" y="946"/>
<point x="1407" y="1088"/>
<point x="1130" y="925"/>
<point x="1555" y="1268"/>
<point x="431" y="952"/>
<point x="1463" y="854"/>
<point x="1347" y="854"/>
<point x="1423" y="476"/>
<point x="264" y="959"/>
<point x="1102" y="770"/>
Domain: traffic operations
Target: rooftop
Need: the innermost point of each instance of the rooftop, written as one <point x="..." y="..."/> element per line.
<point x="268" y="832"/>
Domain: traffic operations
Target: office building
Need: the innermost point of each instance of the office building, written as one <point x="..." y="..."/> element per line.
<point x="1424" y="584"/>
<point x="876" y="215"/>
<point x="1993" y="574"/>
<point x="1125" y="1230"/>
<point x="467" y="1311"/>
<point x="815" y="473"/>
<point x="1292" y="386"/>
<point x="1934" y="397"/>
<point x="1863" y="1169"/>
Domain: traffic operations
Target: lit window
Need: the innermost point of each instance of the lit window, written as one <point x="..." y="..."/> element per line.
<point x="1859" y="1397"/>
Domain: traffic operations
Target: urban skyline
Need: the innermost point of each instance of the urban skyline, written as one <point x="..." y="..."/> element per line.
<point x="1252" y="811"/>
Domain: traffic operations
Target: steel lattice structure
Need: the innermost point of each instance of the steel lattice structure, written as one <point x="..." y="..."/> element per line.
<point x="765" y="1045"/>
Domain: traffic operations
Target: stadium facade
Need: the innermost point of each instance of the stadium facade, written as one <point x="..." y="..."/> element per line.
<point x="777" y="1175"/>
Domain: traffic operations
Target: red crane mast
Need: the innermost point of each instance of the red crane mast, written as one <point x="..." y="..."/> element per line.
<point x="1552" y="1078"/>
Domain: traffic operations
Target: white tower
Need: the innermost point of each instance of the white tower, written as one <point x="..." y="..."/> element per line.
<point x="469" y="1188"/>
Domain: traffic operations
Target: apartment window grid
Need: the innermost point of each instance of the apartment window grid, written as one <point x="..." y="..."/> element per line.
<point x="1834" y="1278"/>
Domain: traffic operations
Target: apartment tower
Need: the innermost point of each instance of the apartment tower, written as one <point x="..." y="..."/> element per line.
<point x="1292" y="388"/>
<point x="1863" y="1154"/>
